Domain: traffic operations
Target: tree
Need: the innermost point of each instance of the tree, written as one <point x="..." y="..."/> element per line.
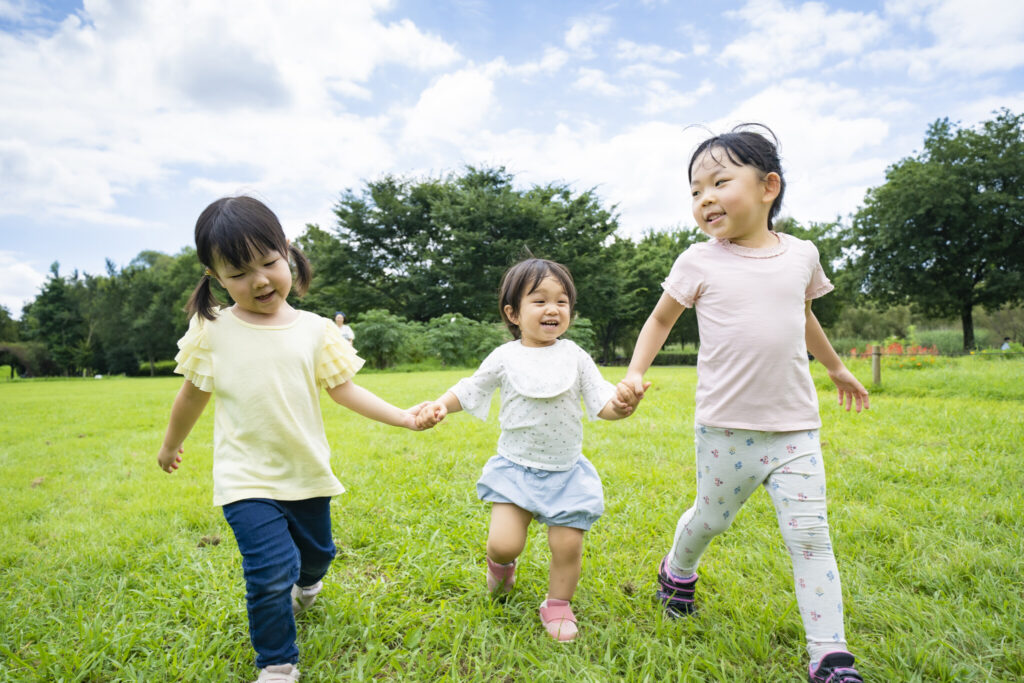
<point x="946" y="230"/>
<point x="54" y="319"/>
<point x="8" y="326"/>
<point x="423" y="249"/>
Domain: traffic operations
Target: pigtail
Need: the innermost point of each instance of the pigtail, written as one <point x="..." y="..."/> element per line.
<point x="303" y="270"/>
<point x="202" y="301"/>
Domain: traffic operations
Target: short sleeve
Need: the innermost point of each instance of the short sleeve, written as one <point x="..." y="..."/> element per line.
<point x="474" y="393"/>
<point x="336" y="361"/>
<point x="685" y="281"/>
<point x="194" y="358"/>
<point x="819" y="284"/>
<point x="596" y="390"/>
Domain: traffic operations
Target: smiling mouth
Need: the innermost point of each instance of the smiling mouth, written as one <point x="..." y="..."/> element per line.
<point x="711" y="218"/>
<point x="549" y="323"/>
<point x="265" y="297"/>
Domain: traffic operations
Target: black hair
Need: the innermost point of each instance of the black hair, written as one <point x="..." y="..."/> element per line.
<point x="237" y="230"/>
<point x="747" y="148"/>
<point x="526" y="276"/>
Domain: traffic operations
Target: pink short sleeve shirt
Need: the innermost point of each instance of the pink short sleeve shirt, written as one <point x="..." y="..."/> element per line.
<point x="752" y="368"/>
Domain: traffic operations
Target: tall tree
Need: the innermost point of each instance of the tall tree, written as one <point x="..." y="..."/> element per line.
<point x="421" y="249"/>
<point x="8" y="326"/>
<point x="54" y="319"/>
<point x="946" y="230"/>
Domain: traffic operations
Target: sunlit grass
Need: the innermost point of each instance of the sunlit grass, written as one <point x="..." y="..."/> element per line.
<point x="112" y="570"/>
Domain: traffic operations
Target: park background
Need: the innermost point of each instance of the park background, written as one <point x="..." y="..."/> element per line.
<point x="911" y="189"/>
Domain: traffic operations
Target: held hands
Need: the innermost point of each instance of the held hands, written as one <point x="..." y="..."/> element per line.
<point x="851" y="391"/>
<point x="428" y="414"/>
<point x="169" y="458"/>
<point x="628" y="394"/>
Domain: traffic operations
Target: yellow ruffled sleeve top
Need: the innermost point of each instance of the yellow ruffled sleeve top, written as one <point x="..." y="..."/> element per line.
<point x="269" y="439"/>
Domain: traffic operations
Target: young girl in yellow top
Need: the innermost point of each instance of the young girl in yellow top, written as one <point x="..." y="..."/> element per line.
<point x="266" y="362"/>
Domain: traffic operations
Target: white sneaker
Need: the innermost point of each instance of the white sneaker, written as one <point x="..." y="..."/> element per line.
<point x="278" y="673"/>
<point x="303" y="598"/>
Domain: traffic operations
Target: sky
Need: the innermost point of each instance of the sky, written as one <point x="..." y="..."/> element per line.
<point x="121" y="120"/>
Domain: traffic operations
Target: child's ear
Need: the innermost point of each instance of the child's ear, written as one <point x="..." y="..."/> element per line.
<point x="772" y="187"/>
<point x="511" y="314"/>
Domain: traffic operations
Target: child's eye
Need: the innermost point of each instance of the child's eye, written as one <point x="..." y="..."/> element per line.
<point x="236" y="276"/>
<point x="719" y="182"/>
<point x="270" y="263"/>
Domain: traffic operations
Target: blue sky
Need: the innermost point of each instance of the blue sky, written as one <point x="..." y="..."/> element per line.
<point x="121" y="120"/>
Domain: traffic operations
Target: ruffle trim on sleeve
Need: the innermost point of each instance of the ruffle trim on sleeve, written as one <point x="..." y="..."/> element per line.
<point x="821" y="290"/>
<point x="338" y="362"/>
<point x="194" y="359"/>
<point x="677" y="294"/>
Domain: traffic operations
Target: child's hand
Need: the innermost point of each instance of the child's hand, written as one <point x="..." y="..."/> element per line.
<point x="850" y="389"/>
<point x="429" y="414"/>
<point x="629" y="392"/>
<point x="168" y="458"/>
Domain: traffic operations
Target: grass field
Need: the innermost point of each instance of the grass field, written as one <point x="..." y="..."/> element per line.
<point x="111" y="570"/>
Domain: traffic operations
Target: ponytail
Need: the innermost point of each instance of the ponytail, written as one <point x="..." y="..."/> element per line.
<point x="303" y="270"/>
<point x="202" y="301"/>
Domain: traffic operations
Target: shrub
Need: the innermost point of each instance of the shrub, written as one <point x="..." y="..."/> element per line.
<point x="161" y="368"/>
<point x="457" y="340"/>
<point x="379" y="335"/>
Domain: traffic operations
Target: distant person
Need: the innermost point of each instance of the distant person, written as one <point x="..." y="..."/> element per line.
<point x="540" y="472"/>
<point x="346" y="331"/>
<point x="757" y="416"/>
<point x="267" y="362"/>
<point x="1006" y="344"/>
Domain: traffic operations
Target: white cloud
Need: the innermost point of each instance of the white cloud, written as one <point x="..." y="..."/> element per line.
<point x="19" y="282"/>
<point x="595" y="81"/>
<point x="784" y="40"/>
<point x="969" y="37"/>
<point x="634" y="52"/>
<point x="583" y="31"/>
<point x="552" y="61"/>
<point x="452" y="108"/>
<point x="117" y="99"/>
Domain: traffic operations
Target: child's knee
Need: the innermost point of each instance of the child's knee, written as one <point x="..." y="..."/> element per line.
<point x="566" y="543"/>
<point x="503" y="548"/>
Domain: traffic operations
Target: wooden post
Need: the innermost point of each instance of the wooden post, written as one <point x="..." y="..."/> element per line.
<point x="876" y="365"/>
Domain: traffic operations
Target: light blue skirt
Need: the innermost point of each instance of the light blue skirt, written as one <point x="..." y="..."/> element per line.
<point x="572" y="498"/>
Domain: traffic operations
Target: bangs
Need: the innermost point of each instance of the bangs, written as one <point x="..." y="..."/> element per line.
<point x="238" y="231"/>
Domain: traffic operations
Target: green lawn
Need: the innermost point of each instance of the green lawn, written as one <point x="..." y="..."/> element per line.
<point x="112" y="570"/>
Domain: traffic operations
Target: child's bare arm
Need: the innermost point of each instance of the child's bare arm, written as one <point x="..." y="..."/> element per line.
<point x="851" y="391"/>
<point x="652" y="338"/>
<point x="368" y="404"/>
<point x="188" y="406"/>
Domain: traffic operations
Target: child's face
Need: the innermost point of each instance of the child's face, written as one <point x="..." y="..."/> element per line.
<point x="731" y="201"/>
<point x="544" y="313"/>
<point x="261" y="286"/>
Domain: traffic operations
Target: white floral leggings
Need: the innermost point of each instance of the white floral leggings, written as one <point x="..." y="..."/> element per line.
<point x="731" y="464"/>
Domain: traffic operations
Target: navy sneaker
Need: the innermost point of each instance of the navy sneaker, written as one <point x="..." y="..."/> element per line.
<point x="676" y="593"/>
<point x="835" y="667"/>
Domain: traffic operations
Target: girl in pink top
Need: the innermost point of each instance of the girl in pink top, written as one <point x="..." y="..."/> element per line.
<point x="757" y="410"/>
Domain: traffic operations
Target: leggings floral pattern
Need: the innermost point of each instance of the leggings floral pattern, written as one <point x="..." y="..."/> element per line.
<point x="731" y="464"/>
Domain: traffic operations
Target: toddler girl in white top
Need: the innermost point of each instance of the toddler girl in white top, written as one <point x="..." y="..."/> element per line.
<point x="540" y="471"/>
<point x="266" y="363"/>
<point x="757" y="410"/>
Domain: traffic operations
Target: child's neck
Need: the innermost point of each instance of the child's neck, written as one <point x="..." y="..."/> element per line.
<point x="282" y="316"/>
<point x="762" y="239"/>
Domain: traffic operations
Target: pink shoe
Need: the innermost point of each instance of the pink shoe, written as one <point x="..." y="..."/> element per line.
<point x="500" y="577"/>
<point x="558" y="619"/>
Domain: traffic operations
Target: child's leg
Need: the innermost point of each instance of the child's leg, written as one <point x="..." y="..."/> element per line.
<point x="566" y="545"/>
<point x="730" y="466"/>
<point x="507" y="535"/>
<point x="309" y="522"/>
<point x="270" y="563"/>
<point x="798" y="492"/>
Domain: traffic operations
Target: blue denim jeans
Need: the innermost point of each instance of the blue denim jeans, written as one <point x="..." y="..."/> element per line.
<point x="283" y="542"/>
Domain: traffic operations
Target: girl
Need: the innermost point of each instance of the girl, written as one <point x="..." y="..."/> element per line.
<point x="540" y="471"/>
<point x="757" y="411"/>
<point x="271" y="462"/>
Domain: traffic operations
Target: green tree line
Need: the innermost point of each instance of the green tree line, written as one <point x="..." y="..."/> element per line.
<point x="415" y="263"/>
